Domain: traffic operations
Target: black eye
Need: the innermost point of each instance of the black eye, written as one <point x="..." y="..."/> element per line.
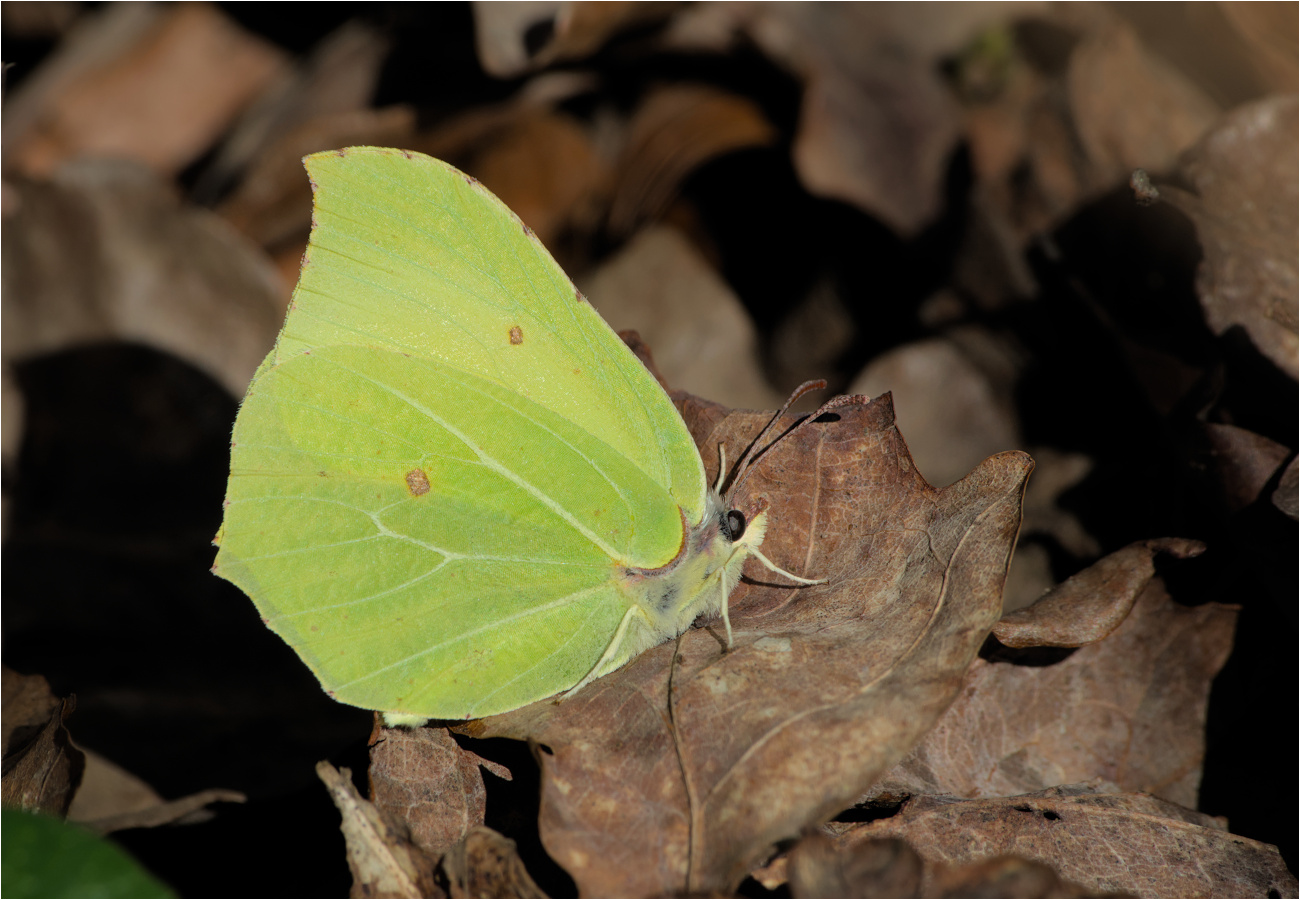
<point x="733" y="523"/>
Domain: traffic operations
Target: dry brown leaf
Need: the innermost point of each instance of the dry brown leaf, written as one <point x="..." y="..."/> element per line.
<point x="1002" y="876"/>
<point x="1245" y="205"/>
<point x="875" y="127"/>
<point x="462" y="137"/>
<point x="885" y="868"/>
<point x="704" y="341"/>
<point x="1129" y="109"/>
<point x="383" y="860"/>
<point x="1284" y="498"/>
<point x="877" y="123"/>
<point x="1083" y="102"/>
<point x="545" y="169"/>
<point x="34" y="20"/>
<point x="1129" y="709"/>
<point x="676" y="129"/>
<point x="148" y="82"/>
<point x="41" y="769"/>
<point x="560" y="31"/>
<point x="109" y="790"/>
<point x="44" y="770"/>
<point x="1031" y="576"/>
<point x="539" y="162"/>
<point x="336" y="79"/>
<point x="1269" y="31"/>
<point x="112" y="799"/>
<point x="1129" y="844"/>
<point x="28" y="704"/>
<point x="104" y="251"/>
<point x="818" y="866"/>
<point x="953" y="413"/>
<point x="1091" y="604"/>
<point x="1246" y="462"/>
<point x="1057" y="471"/>
<point x="189" y="809"/>
<point x="583" y="27"/>
<point x="1234" y="51"/>
<point x="486" y="864"/>
<point x="500" y="29"/>
<point x="423" y="778"/>
<point x="677" y="773"/>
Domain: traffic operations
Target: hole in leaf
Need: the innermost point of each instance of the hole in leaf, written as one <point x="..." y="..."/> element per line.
<point x="870" y="812"/>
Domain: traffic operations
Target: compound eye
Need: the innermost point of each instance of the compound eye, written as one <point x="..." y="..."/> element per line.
<point x="734" y="524"/>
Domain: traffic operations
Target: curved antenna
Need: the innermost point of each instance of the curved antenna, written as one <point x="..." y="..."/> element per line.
<point x="750" y="459"/>
<point x="753" y="454"/>
<point x="747" y="458"/>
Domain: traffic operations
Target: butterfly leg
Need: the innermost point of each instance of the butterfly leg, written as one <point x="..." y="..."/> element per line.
<point x="608" y="656"/>
<point x="726" y="619"/>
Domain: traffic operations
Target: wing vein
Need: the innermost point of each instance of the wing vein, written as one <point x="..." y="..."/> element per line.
<point x="463" y="636"/>
<point x="492" y="463"/>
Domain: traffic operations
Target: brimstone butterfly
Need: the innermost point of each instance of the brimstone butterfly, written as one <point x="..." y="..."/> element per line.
<point x="453" y="489"/>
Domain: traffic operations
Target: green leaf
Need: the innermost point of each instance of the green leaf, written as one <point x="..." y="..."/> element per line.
<point x="47" y="857"/>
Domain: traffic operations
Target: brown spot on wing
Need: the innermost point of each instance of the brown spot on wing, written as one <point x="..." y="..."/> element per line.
<point x="417" y="482"/>
<point x="516" y="335"/>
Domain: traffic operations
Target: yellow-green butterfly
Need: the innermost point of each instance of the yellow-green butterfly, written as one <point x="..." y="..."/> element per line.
<point x="453" y="489"/>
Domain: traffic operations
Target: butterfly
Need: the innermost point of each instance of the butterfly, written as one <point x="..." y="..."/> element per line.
<point x="453" y="489"/>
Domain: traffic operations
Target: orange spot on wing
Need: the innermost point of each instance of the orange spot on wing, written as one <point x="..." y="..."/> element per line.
<point x="417" y="482"/>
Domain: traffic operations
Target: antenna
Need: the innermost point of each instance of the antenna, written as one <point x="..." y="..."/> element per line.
<point x="754" y="453"/>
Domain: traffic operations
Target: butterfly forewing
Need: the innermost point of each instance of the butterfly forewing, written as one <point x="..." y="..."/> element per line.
<point x="409" y="254"/>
